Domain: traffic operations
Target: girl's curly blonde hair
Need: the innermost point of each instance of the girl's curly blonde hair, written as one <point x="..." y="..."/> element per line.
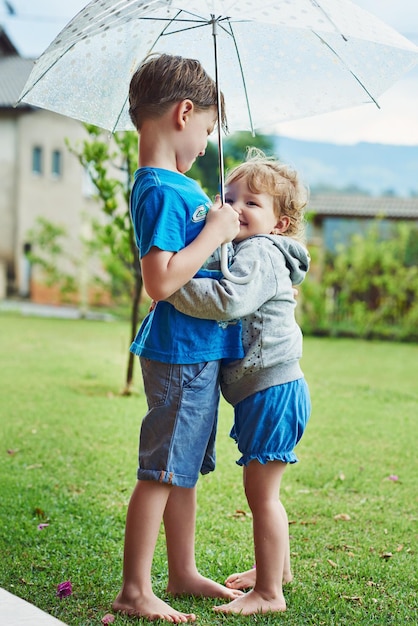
<point x="266" y="174"/>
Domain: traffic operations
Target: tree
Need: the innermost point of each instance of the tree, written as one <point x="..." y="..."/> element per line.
<point x="235" y="147"/>
<point x="206" y="169"/>
<point x="48" y="238"/>
<point x="101" y="157"/>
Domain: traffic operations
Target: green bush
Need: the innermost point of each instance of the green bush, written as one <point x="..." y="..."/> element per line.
<point x="368" y="289"/>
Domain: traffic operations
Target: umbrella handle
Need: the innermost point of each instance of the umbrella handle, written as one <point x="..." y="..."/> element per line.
<point x="239" y="280"/>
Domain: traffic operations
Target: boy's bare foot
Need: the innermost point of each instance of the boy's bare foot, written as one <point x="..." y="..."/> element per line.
<point x="197" y="585"/>
<point x="252" y="603"/>
<point x="245" y="580"/>
<point x="150" y="608"/>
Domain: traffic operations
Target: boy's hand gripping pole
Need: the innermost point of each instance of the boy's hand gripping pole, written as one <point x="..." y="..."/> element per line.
<point x="241" y="280"/>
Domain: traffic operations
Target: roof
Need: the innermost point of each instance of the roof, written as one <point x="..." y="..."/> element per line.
<point x="340" y="205"/>
<point x="14" y="72"/>
<point x="6" y="45"/>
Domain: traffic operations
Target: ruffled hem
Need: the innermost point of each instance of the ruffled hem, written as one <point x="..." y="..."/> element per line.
<point x="284" y="457"/>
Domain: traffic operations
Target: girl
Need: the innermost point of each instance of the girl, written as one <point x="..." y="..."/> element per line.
<point x="267" y="387"/>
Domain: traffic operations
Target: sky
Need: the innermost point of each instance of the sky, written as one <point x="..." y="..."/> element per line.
<point x="36" y="23"/>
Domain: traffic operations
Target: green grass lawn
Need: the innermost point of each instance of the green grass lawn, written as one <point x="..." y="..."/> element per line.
<point x="68" y="459"/>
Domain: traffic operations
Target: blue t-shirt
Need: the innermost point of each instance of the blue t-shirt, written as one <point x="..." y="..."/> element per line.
<point x="168" y="211"/>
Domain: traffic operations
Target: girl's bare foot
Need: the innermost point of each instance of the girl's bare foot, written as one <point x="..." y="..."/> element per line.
<point x="242" y="580"/>
<point x="253" y="602"/>
<point x="287" y="578"/>
<point x="245" y="580"/>
<point x="150" y="608"/>
<point x="197" y="585"/>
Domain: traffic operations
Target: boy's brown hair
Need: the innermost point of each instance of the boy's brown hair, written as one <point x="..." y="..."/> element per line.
<point x="163" y="79"/>
<point x="264" y="174"/>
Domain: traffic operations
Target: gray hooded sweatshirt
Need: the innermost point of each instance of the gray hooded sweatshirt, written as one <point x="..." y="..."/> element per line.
<point x="271" y="337"/>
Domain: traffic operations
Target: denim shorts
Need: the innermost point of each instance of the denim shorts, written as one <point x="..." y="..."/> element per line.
<point x="177" y="439"/>
<point x="269" y="424"/>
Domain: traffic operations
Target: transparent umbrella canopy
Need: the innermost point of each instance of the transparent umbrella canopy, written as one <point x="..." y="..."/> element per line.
<point x="283" y="60"/>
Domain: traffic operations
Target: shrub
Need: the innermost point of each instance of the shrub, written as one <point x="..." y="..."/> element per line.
<point x="368" y="289"/>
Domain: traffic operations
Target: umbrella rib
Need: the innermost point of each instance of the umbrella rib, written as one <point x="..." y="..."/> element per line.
<point x="362" y="85"/>
<point x="331" y="21"/>
<point x="182" y="30"/>
<point x="232" y="34"/>
<point x="198" y="24"/>
<point x="161" y="34"/>
<point x="30" y="87"/>
<point x="198" y="20"/>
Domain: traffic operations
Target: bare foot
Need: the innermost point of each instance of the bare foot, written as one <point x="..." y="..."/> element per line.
<point x="287" y="577"/>
<point x="245" y="580"/>
<point x="242" y="580"/>
<point x="150" y="608"/>
<point x="198" y="585"/>
<point x="253" y="602"/>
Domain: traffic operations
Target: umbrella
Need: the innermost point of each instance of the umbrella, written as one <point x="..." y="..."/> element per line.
<point x="275" y="61"/>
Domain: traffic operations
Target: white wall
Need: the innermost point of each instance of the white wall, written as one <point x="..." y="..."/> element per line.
<point x="8" y="150"/>
<point x="60" y="200"/>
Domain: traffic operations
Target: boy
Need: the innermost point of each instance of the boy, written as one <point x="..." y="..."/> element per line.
<point x="173" y="107"/>
<point x="267" y="387"/>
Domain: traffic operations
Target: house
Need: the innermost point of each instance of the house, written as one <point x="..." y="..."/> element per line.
<point x="38" y="177"/>
<point x="336" y="217"/>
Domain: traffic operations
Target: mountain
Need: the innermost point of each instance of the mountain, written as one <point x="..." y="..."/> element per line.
<point x="378" y="169"/>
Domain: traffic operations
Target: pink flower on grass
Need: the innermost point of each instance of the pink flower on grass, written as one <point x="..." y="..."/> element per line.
<point x="108" y="619"/>
<point x="42" y="526"/>
<point x="64" y="589"/>
<point x="393" y="477"/>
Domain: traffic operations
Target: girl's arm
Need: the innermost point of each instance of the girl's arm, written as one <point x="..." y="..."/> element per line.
<point x="223" y="300"/>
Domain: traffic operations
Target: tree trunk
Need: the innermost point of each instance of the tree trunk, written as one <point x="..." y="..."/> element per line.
<point x="134" y="322"/>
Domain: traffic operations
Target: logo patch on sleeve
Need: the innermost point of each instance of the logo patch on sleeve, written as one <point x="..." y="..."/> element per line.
<point x="200" y="213"/>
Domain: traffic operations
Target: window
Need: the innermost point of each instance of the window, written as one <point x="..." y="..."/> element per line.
<point x="37" y="160"/>
<point x="56" y="166"/>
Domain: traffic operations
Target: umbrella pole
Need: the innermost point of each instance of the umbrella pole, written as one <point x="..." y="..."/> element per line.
<point x="224" y="248"/>
<point x="219" y="108"/>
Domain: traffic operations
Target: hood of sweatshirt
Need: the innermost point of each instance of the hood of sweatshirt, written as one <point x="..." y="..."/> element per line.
<point x="296" y="255"/>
